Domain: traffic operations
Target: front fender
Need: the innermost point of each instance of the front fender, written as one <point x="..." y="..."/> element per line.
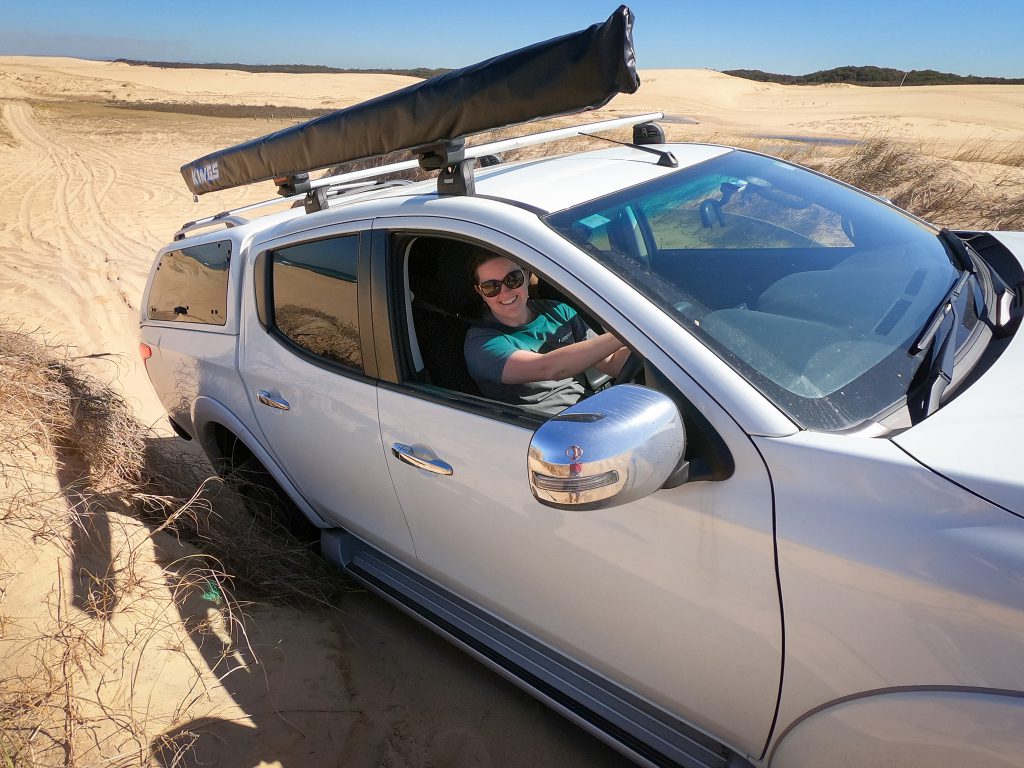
<point x="206" y="412"/>
<point x="908" y="728"/>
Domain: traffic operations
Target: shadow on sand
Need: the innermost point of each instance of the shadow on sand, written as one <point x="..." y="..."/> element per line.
<point x="354" y="683"/>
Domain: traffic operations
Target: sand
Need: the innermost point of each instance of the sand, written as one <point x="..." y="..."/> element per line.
<point x="88" y="193"/>
<point x="945" y="117"/>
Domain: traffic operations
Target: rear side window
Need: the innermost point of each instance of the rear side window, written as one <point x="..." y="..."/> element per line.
<point x="313" y="286"/>
<point x="191" y="285"/>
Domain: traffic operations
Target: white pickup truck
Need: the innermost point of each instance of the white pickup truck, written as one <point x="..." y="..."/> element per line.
<point x="789" y="534"/>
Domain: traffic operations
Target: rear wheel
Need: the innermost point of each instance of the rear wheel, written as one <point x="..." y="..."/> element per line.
<point x="263" y="497"/>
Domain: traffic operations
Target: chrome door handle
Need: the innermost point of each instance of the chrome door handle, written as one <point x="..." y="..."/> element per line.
<point x="404" y="453"/>
<point x="274" y="402"/>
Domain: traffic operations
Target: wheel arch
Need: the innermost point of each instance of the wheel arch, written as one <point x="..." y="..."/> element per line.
<point x="913" y="727"/>
<point x="214" y="424"/>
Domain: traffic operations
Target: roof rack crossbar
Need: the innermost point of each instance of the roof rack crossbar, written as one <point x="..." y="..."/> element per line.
<point x="364" y="173"/>
<point x="545" y="137"/>
<point x="317" y="198"/>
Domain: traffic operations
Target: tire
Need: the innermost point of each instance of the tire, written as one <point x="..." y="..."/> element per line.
<point x="262" y="496"/>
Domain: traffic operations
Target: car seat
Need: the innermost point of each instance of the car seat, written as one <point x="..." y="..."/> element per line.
<point x="443" y="307"/>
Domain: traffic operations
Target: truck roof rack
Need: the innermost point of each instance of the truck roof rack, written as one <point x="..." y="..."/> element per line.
<point x="229" y="218"/>
<point x="569" y="74"/>
<point x="319" y="191"/>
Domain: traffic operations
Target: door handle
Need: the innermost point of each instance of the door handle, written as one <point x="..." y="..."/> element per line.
<point x="404" y="453"/>
<point x="274" y="402"/>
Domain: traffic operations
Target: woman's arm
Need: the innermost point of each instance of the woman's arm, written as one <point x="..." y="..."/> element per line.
<point x="523" y="366"/>
<point x="614" y="362"/>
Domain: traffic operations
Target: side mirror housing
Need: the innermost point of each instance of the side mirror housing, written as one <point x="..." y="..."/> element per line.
<point x="618" y="446"/>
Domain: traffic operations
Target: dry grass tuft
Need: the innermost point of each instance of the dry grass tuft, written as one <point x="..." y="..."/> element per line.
<point x="983" y="151"/>
<point x="935" y="188"/>
<point x="77" y="476"/>
<point x="107" y="461"/>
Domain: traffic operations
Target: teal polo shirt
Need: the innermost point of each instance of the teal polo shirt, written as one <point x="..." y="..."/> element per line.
<point x="489" y="344"/>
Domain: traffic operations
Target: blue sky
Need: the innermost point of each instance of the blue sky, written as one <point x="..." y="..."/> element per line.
<point x="982" y="37"/>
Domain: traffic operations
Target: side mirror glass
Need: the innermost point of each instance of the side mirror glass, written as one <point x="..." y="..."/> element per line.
<point x="618" y="446"/>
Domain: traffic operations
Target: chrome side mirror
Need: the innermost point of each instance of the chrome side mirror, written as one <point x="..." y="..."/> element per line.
<point x="615" y="447"/>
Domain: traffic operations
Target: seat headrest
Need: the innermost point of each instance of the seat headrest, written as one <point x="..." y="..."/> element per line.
<point x="439" y="273"/>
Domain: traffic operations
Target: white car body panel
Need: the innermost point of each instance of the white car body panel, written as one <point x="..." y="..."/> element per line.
<point x="1012" y="240"/>
<point x="328" y="441"/>
<point x="194" y="363"/>
<point x="651" y="560"/>
<point x="573" y="179"/>
<point x="328" y="444"/>
<point x="886" y="574"/>
<point x="190" y="360"/>
<point x="688" y="574"/>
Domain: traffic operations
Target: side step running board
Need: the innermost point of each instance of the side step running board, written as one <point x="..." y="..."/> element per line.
<point x="635" y="727"/>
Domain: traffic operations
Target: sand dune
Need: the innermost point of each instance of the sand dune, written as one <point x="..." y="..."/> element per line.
<point x="88" y="193"/>
<point x="60" y="78"/>
<point x="715" y="101"/>
<point x="947" y="114"/>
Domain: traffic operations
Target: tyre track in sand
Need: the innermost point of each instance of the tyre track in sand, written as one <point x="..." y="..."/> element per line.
<point x="51" y="254"/>
<point x="63" y="248"/>
<point x="87" y="196"/>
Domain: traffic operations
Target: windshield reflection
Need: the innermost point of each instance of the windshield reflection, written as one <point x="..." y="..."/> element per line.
<point x="813" y="291"/>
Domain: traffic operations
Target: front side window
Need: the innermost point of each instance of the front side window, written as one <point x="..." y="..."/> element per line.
<point x="315" y="303"/>
<point x="811" y="290"/>
<point x="191" y="285"/>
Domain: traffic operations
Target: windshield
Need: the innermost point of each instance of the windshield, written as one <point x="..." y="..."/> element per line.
<point x="811" y="290"/>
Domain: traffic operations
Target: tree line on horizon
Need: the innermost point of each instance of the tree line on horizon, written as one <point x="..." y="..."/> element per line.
<point x="872" y="76"/>
<point x="865" y="75"/>
<point x="290" y="69"/>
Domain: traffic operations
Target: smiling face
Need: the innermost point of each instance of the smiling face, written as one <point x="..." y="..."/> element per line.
<point x="509" y="305"/>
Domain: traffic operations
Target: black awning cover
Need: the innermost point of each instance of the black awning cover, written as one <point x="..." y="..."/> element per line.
<point x="568" y="74"/>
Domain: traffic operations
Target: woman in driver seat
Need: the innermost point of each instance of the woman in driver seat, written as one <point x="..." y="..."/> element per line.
<point x="530" y="351"/>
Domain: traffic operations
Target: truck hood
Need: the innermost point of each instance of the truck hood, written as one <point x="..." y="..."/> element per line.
<point x="975" y="440"/>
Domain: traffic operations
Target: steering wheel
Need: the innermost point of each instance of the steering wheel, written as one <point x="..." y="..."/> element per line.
<point x="630" y="368"/>
<point x="848" y="229"/>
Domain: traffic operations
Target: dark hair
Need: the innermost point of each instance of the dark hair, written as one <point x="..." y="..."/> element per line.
<point x="481" y="258"/>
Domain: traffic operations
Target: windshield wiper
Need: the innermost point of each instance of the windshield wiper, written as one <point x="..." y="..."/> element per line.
<point x="940" y="334"/>
<point x="959" y="249"/>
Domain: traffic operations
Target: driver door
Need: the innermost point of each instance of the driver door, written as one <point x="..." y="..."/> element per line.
<point x="673" y="596"/>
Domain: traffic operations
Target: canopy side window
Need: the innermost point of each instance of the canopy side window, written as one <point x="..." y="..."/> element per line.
<point x="191" y="285"/>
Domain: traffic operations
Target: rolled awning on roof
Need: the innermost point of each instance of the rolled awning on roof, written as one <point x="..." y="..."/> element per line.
<point x="568" y="74"/>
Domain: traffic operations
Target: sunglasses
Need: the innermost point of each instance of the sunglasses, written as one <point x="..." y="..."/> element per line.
<point x="514" y="279"/>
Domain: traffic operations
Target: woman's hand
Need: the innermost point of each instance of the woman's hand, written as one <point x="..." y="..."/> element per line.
<point x="605" y="352"/>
